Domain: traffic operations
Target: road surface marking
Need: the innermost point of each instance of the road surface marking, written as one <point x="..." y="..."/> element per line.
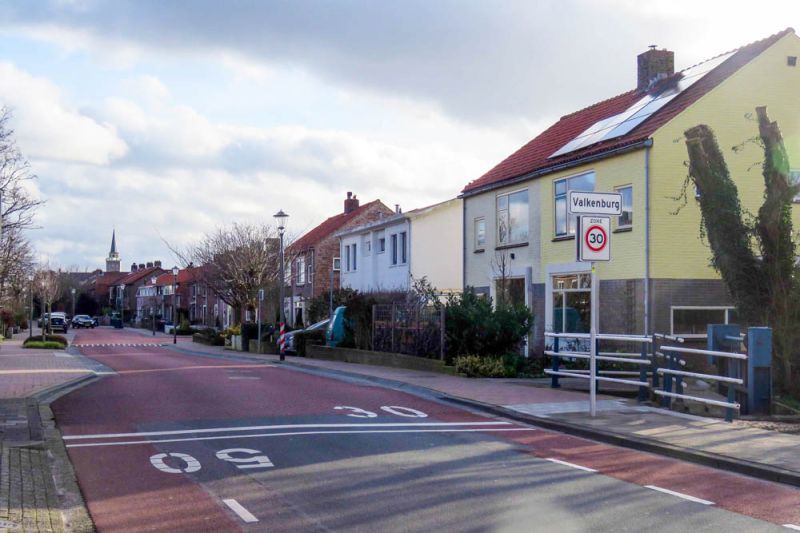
<point x="256" y="460"/>
<point x="279" y="426"/>
<point x="792" y="526"/>
<point x="237" y="508"/>
<point x="192" y="464"/>
<point x="680" y="495"/>
<point x="399" y="410"/>
<point x="296" y="433"/>
<point x="573" y="465"/>
<point x="243" y="377"/>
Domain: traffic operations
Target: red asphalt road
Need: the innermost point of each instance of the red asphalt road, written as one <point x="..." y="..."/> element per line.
<point x="155" y="385"/>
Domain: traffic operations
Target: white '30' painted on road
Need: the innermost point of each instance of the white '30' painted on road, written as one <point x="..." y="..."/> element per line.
<point x="398" y="410"/>
<point x="256" y="459"/>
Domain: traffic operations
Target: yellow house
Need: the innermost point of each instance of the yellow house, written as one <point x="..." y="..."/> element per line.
<point x="517" y="228"/>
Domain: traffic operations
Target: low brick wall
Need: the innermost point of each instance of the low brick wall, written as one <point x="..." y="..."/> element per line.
<point x="366" y="357"/>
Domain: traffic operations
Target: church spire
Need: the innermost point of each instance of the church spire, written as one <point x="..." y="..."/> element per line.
<point x="113" y="242"/>
<point x="113" y="261"/>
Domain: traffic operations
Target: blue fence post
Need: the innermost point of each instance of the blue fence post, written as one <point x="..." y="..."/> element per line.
<point x="666" y="400"/>
<point x="759" y="370"/>
<point x="597" y="366"/>
<point x="554" y="384"/>
<point x="643" y="375"/>
<point x="654" y="363"/>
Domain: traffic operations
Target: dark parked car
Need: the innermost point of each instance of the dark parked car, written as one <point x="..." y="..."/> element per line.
<point x="83" y="321"/>
<point x="59" y="323"/>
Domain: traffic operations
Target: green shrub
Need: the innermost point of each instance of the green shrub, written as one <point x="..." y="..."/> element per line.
<point x="475" y="326"/>
<point x="49" y="345"/>
<point x="60" y="339"/>
<point x="476" y="366"/>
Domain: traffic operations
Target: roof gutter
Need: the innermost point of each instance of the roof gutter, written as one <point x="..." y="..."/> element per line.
<point x="562" y="166"/>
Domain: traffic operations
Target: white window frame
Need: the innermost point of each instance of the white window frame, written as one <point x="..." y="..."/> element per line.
<point x="300" y="266"/>
<point x="478" y="246"/>
<point x="403" y="240"/>
<point x="394" y="255"/>
<point x="565" y="196"/>
<point x="354" y="255"/>
<point x="726" y="308"/>
<point x="507" y="210"/>
<point x="619" y="218"/>
<point x="382" y="245"/>
<point x="347" y="258"/>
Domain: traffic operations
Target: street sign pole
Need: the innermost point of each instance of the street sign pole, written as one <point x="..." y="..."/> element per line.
<point x="258" y="312"/>
<point x="593" y="344"/>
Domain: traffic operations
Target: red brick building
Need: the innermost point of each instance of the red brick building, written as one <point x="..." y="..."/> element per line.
<point x="310" y="268"/>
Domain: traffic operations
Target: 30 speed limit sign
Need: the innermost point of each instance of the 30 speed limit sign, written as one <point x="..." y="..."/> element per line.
<point x="594" y="238"/>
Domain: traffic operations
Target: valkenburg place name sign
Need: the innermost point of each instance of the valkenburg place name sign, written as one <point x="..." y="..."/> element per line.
<point x="595" y="203"/>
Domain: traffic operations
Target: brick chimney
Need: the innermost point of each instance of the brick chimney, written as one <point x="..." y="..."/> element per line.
<point x="350" y="203"/>
<point x="654" y="65"/>
<point x="149" y="264"/>
<point x="157" y="264"/>
<point x="141" y="266"/>
<point x="134" y="267"/>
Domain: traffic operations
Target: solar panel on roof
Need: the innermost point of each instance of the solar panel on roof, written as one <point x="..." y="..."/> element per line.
<point x="623" y="123"/>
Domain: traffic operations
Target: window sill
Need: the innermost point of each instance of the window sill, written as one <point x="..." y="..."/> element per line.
<point x="564" y="238"/>
<point x="479" y="251"/>
<point x="623" y="229"/>
<point x="514" y="245"/>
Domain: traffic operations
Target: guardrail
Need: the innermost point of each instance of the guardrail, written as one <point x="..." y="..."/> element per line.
<point x="660" y="366"/>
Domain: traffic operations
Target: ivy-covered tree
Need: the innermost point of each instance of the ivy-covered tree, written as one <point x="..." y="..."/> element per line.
<point x="755" y="256"/>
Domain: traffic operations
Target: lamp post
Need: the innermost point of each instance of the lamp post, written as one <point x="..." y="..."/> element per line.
<point x="72" y="292"/>
<point x="175" y="305"/>
<point x="280" y="220"/>
<point x="30" y="290"/>
<point x="153" y="280"/>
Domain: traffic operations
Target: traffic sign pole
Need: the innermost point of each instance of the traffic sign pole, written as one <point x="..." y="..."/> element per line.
<point x="593" y="321"/>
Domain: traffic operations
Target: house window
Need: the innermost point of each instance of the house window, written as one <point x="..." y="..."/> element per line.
<point x="480" y="234"/>
<point x="692" y="322"/>
<point x="381" y="245"/>
<point x="794" y="179"/>
<point x="625" y="220"/>
<point x="355" y="256"/>
<point x="403" y="247"/>
<point x="512" y="217"/>
<point x="565" y="224"/>
<point x="347" y="258"/>
<point x="394" y="249"/>
<point x="301" y="270"/>
<point x="572" y="298"/>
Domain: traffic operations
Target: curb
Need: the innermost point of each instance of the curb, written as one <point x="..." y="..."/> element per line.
<point x="721" y="462"/>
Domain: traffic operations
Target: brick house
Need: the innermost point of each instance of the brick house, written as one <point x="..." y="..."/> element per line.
<point x="310" y="269"/>
<point x="124" y="292"/>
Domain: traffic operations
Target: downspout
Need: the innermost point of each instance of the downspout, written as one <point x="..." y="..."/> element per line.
<point x="464" y="244"/>
<point x="647" y="146"/>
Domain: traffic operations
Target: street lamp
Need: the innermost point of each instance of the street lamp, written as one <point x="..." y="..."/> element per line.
<point x="72" y="292"/>
<point x="153" y="281"/>
<point x="30" y="290"/>
<point x="175" y="305"/>
<point x="280" y="220"/>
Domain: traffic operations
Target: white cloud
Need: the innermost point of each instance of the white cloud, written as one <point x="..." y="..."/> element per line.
<point x="49" y="128"/>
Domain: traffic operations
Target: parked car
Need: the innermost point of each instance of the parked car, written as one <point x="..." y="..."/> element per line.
<point x="58" y="322"/>
<point x="55" y="314"/>
<point x="289" y="337"/>
<point x="83" y="321"/>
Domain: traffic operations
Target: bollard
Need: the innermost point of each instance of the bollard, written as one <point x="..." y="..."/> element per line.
<point x="759" y="370"/>
<point x="556" y="363"/>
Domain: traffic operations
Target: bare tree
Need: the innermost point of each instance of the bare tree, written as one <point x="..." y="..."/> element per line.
<point x="16" y="262"/>
<point x="235" y="262"/>
<point x="17" y="206"/>
<point x="47" y="283"/>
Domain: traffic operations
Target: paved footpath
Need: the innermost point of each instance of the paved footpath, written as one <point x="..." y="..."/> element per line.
<point x="731" y="446"/>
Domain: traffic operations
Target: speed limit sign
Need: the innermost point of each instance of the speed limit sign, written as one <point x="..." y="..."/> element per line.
<point x="594" y="239"/>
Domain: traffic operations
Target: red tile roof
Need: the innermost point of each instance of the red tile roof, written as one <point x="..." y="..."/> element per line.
<point x="332" y="225"/>
<point x="185" y="275"/>
<point x="133" y="277"/>
<point x="533" y="157"/>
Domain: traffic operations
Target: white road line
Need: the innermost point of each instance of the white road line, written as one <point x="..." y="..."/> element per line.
<point x="573" y="465"/>
<point x="237" y="508"/>
<point x="680" y="495"/>
<point x="243" y="377"/>
<point x="279" y="426"/>
<point x="295" y="433"/>
<point x="792" y="526"/>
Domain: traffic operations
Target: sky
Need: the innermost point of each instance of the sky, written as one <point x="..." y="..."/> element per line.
<point x="165" y="120"/>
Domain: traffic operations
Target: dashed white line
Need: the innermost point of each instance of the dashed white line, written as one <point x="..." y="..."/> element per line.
<point x="579" y="467"/>
<point x="243" y="513"/>
<point x="792" y="526"/>
<point x="680" y="495"/>
<point x="297" y="433"/>
<point x="277" y="426"/>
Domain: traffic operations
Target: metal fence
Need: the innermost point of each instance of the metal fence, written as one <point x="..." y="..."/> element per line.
<point x="408" y="329"/>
